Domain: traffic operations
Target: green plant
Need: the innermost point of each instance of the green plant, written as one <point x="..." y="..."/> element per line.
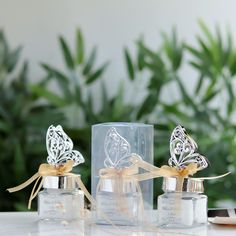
<point x="23" y="122"/>
<point x="205" y="105"/>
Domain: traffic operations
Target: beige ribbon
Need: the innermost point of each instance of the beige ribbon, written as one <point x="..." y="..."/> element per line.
<point x="168" y="171"/>
<point x="50" y="170"/>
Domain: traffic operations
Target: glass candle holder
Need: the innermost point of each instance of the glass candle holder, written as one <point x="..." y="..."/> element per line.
<point x="60" y="199"/>
<point x="118" y="196"/>
<point x="183" y="204"/>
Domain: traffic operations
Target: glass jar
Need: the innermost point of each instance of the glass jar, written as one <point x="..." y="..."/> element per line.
<point x="60" y="199"/>
<point x="118" y="200"/>
<point x="183" y="204"/>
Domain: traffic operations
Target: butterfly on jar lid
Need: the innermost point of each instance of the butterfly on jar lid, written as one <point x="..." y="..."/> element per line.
<point x="183" y="150"/>
<point x="60" y="147"/>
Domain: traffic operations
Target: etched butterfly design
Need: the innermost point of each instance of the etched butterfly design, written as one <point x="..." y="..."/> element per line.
<point x="60" y="147"/>
<point x="117" y="150"/>
<point x="183" y="150"/>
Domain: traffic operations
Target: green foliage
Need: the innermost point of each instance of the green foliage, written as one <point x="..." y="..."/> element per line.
<point x="204" y="104"/>
<point x="8" y="58"/>
<point x="23" y="122"/>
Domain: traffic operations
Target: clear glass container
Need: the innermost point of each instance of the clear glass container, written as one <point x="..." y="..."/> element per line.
<point x="129" y="138"/>
<point x="119" y="201"/>
<point x="60" y="199"/>
<point x="183" y="204"/>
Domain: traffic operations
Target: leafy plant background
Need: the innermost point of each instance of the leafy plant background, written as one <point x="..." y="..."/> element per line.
<point x="205" y="105"/>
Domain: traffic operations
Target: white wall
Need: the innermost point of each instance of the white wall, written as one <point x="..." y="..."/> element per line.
<point x="110" y="24"/>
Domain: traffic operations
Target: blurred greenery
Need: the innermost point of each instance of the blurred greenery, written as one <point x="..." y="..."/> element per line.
<point x="23" y="120"/>
<point x="76" y="97"/>
<point x="205" y="105"/>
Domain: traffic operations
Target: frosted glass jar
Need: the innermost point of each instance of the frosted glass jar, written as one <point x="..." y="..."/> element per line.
<point x="140" y="138"/>
<point x="183" y="204"/>
<point x="60" y="199"/>
<point x="119" y="200"/>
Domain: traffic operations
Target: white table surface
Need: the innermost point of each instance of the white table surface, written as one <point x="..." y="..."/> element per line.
<point x="26" y="223"/>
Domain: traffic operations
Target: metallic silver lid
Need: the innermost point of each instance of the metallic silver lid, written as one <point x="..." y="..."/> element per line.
<point x="60" y="182"/>
<point x="174" y="184"/>
<point x="110" y="185"/>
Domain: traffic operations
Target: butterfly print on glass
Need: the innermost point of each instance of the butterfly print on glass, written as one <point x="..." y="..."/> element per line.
<point x="117" y="150"/>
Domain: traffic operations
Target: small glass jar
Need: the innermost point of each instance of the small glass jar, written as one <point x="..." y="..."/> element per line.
<point x="118" y="200"/>
<point x="183" y="204"/>
<point x="60" y="199"/>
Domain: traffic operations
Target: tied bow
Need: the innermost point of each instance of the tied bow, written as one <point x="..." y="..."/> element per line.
<point x="47" y="169"/>
<point x="114" y="172"/>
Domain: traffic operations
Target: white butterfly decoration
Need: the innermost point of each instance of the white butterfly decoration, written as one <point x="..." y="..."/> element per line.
<point x="117" y="150"/>
<point x="60" y="147"/>
<point x="183" y="150"/>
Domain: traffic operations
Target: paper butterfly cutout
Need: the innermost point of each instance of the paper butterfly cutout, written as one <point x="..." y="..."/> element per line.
<point x="117" y="150"/>
<point x="183" y="150"/>
<point x="60" y="147"/>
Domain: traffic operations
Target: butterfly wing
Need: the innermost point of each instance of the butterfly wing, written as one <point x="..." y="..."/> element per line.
<point x="177" y="146"/>
<point x="127" y="160"/>
<point x="124" y="161"/>
<point x="115" y="147"/>
<point x="183" y="150"/>
<point x="197" y="158"/>
<point x="73" y="155"/>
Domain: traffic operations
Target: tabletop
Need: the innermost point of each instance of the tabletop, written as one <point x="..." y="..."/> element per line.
<point x="27" y="223"/>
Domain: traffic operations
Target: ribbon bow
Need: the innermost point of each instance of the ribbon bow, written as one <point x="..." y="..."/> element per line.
<point x="47" y="169"/>
<point x="111" y="172"/>
<point x="50" y="170"/>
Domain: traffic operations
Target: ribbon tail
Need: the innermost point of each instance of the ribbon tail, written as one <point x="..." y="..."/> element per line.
<point x="180" y="183"/>
<point x="144" y="165"/>
<point x="86" y="192"/>
<point x="141" y="198"/>
<point x="119" y="196"/>
<point x="33" y="192"/>
<point x="146" y="176"/>
<point x="25" y="184"/>
<point x="213" y="177"/>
